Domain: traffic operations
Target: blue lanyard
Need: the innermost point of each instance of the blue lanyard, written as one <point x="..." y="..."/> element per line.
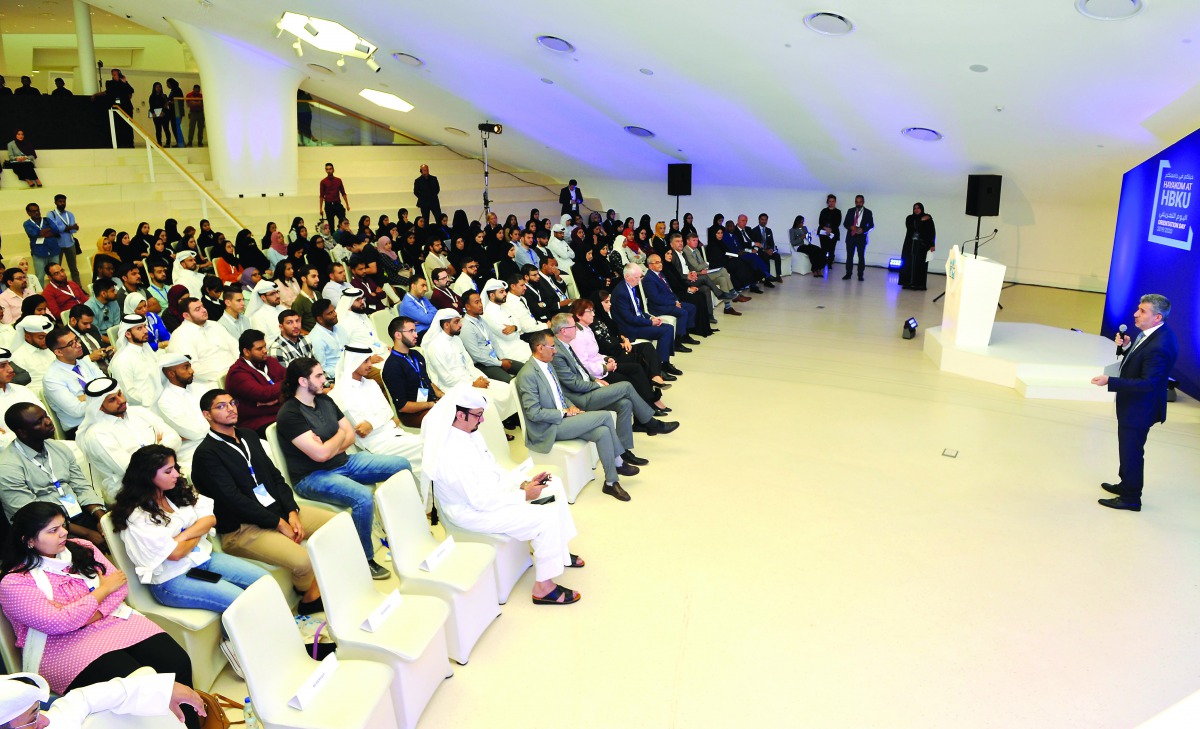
<point x="412" y="362"/>
<point x="238" y="447"/>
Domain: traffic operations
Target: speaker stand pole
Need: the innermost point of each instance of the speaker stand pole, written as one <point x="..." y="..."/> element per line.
<point x="677" y="207"/>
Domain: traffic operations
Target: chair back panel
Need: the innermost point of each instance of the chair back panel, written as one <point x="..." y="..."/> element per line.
<point x="404" y="519"/>
<point x="267" y="644"/>
<point x="341" y="567"/>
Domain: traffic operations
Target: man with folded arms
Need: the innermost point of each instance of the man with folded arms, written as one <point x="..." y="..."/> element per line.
<point x="504" y="326"/>
<point x="256" y="381"/>
<point x="475" y="493"/>
<point x="135" y="364"/>
<point x="551" y="415"/>
<point x="478" y="337"/>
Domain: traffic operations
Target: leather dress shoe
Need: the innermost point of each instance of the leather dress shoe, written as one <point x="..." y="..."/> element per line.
<point x="667" y="378"/>
<point x="671" y="369"/>
<point x="1112" y="488"/>
<point x="860" y="277"/>
<point x="755" y="290"/>
<point x="659" y="412"/>
<point x="689" y="339"/>
<point x="732" y="312"/>
<point x="742" y="299"/>
<point x="681" y="348"/>
<point x="663" y="426"/>
<point x="768" y="284"/>
<point x="614" y="490"/>
<point x="777" y="279"/>
<point x="713" y="331"/>
<point x="1119" y="503"/>
<point x="713" y="321"/>
<point x="628" y="469"/>
<point x="631" y="459"/>
<point x="846" y="277"/>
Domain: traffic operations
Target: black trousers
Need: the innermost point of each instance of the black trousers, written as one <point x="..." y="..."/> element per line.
<point x="829" y="247"/>
<point x="635" y="375"/>
<point x="769" y="256"/>
<point x="914" y="270"/>
<point x="856" y="243"/>
<point x="1131" y="446"/>
<point x="435" y="210"/>
<point x="159" y="652"/>
<point x="334" y="210"/>
<point x="816" y="257"/>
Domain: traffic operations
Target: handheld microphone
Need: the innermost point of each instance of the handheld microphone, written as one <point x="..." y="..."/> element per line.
<point x="1121" y="329"/>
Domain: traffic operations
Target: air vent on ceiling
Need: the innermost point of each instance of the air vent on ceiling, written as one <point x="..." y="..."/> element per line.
<point x="456" y="131"/>
<point x="408" y="59"/>
<point x="320" y="69"/>
<point x="555" y="43"/>
<point x="923" y="134"/>
<point x="829" y="24"/>
<point x="639" y="132"/>
<point x="1109" y="9"/>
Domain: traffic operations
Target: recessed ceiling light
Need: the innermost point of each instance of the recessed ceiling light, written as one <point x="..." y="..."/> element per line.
<point x="386" y="100"/>
<point x="1109" y="9"/>
<point x="829" y="24"/>
<point x="408" y="59"/>
<point x="547" y="81"/>
<point x="320" y="69"/>
<point x="456" y="131"/>
<point x="639" y="132"/>
<point x="555" y="43"/>
<point x="978" y="68"/>
<point x="924" y="134"/>
<point x="646" y="71"/>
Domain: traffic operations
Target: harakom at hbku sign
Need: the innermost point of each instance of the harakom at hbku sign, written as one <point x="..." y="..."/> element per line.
<point x="1170" y="221"/>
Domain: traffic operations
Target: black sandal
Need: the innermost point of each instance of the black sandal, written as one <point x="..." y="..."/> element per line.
<point x="576" y="562"/>
<point x="551" y="598"/>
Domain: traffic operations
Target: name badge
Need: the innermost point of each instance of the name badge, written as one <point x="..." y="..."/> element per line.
<point x="438" y="555"/>
<point x="122" y="612"/>
<point x="380" y="614"/>
<point x="67" y="499"/>
<point x="422" y="394"/>
<point x="264" y="498"/>
<point x="320" y="676"/>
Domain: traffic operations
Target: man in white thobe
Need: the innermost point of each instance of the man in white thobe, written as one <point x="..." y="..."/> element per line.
<point x="30" y="353"/>
<point x="209" y="346"/>
<point x="266" y="315"/>
<point x="451" y="366"/>
<point x="376" y="428"/>
<point x="135" y="365"/>
<point x="179" y="403"/>
<point x="141" y="693"/>
<point x="507" y="339"/>
<point x="112" y="430"/>
<point x="518" y="308"/>
<point x="11" y="394"/>
<point x="184" y="273"/>
<point x="354" y="325"/>
<point x="475" y="493"/>
<point x="559" y="248"/>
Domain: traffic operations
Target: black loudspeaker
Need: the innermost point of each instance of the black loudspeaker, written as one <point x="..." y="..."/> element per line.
<point x="983" y="195"/>
<point x="679" y="179"/>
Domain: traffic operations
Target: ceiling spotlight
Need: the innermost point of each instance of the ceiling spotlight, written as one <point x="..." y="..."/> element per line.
<point x="341" y="62"/>
<point x="372" y="65"/>
<point x="555" y="43"/>
<point x="491" y="128"/>
<point x="298" y="48"/>
<point x="326" y="35"/>
<point x="311" y="29"/>
<point x="362" y="47"/>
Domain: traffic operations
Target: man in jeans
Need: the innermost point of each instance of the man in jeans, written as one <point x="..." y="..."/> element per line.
<point x="66" y="240"/>
<point x="314" y="434"/>
<point x="43" y="240"/>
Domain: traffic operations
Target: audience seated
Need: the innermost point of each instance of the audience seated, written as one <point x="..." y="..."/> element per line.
<point x="551" y="415"/>
<point x="505" y="328"/>
<point x="64" y="380"/>
<point x="265" y="308"/>
<point x="104" y="306"/>
<point x="542" y="302"/>
<point x="356" y="328"/>
<point x="289" y="343"/>
<point x="16" y="289"/>
<point x="256" y="381"/>
<point x="209" y="346"/>
<point x="332" y="290"/>
<point x="466" y="279"/>
<point x="179" y="403"/>
<point x="695" y="267"/>
<point x="628" y="313"/>
<point x="112" y="430"/>
<point x="605" y="368"/>
<point x="11" y="393"/>
<point x="475" y="493"/>
<point x="326" y="337"/>
<point x="256" y="512"/>
<point x="310" y="283"/>
<point x="442" y="296"/>
<point x="142" y="693"/>
<point x="234" y="319"/>
<point x="135" y="365"/>
<point x="82" y="323"/>
<point x="415" y="306"/>
<point x="35" y="467"/>
<point x="21" y="157"/>
<point x="662" y="301"/>
<point x="31" y="353"/>
<point x="406" y="374"/>
<point x="479" y="339"/>
<point x="450" y="365"/>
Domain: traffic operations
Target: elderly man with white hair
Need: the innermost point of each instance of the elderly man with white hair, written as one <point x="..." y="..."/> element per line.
<point x="264" y="315"/>
<point x="135" y="365"/>
<point x="179" y="403"/>
<point x="210" y="347"/>
<point x="112" y="430"/>
<point x="376" y="429"/>
<point x="183" y="272"/>
<point x="30" y="352"/>
<point x="450" y="365"/>
<point x="507" y="330"/>
<point x="476" y="494"/>
<point x="141" y="693"/>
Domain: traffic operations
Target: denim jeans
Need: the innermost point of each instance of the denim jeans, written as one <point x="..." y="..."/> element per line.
<point x="352" y="485"/>
<point x="187" y="592"/>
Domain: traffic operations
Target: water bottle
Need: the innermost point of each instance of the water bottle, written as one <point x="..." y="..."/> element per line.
<point x="249" y="715"/>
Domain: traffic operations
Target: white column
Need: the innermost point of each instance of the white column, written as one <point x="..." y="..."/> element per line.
<point x="365" y="133"/>
<point x="87" y="83"/>
<point x="249" y="111"/>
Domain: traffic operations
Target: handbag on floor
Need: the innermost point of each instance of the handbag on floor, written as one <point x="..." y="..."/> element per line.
<point x="214" y="711"/>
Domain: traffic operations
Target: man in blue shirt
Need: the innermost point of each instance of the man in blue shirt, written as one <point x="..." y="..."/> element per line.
<point x="43" y="240"/>
<point x="65" y="220"/>
<point x="416" y="307"/>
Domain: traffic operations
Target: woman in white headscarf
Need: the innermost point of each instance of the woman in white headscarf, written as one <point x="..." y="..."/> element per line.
<point x="473" y="492"/>
<point x="376" y="428"/>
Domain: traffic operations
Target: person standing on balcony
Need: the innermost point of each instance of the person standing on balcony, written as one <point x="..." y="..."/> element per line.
<point x="195" y="104"/>
<point x="120" y="94"/>
<point x="176" y="96"/>
<point x="426" y="189"/>
<point x="160" y="113"/>
<point x="333" y="192"/>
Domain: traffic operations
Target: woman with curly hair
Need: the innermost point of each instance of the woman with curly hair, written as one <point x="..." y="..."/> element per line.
<point x="165" y="524"/>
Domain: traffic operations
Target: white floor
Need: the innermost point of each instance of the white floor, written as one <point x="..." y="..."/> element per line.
<point x="801" y="554"/>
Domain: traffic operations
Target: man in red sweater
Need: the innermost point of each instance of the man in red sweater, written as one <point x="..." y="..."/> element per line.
<point x="255" y="381"/>
<point x="61" y="294"/>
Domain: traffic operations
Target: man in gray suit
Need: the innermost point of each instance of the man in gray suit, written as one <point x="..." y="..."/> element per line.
<point x="551" y="415"/>
<point x="633" y="413"/>
<point x="716" y="278"/>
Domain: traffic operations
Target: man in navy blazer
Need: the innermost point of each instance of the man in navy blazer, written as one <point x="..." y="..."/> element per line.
<point x="765" y="238"/>
<point x="858" y="224"/>
<point x="662" y="301"/>
<point x="1141" y="388"/>
<point x="635" y="323"/>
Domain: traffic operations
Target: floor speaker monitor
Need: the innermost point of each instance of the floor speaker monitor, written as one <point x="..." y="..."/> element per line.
<point x="983" y="196"/>
<point x="679" y="179"/>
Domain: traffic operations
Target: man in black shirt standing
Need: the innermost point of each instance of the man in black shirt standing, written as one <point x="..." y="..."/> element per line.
<point x="426" y="189"/>
<point x="829" y="228"/>
<point x="257" y="515"/>
<point x="314" y="434"/>
<point x="407" y="376"/>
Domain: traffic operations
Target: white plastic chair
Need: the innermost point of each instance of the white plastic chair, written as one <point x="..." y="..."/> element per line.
<point x="380" y="320"/>
<point x="465" y="579"/>
<point x="197" y="631"/>
<point x="412" y="640"/>
<point x="276" y="455"/>
<point x="571" y="459"/>
<point x="393" y="296"/>
<point x="272" y="655"/>
<point x="666" y="318"/>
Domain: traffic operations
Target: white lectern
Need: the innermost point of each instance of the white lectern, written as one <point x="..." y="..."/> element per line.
<point x="973" y="286"/>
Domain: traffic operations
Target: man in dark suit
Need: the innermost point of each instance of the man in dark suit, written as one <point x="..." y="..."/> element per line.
<point x="1141" y="388"/>
<point x="426" y="189"/>
<point x="570" y="198"/>
<point x="662" y="301"/>
<point x="765" y="249"/>
<point x="829" y="228"/>
<point x="635" y="323"/>
<point x="746" y="244"/>
<point x="859" y="222"/>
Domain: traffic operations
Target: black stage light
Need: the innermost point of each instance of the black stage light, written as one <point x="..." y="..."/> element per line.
<point x="491" y="128"/>
<point x="910" y="328"/>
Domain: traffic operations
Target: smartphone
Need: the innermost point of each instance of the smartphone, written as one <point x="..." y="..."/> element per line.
<point x="205" y="575"/>
<point x="544" y="500"/>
